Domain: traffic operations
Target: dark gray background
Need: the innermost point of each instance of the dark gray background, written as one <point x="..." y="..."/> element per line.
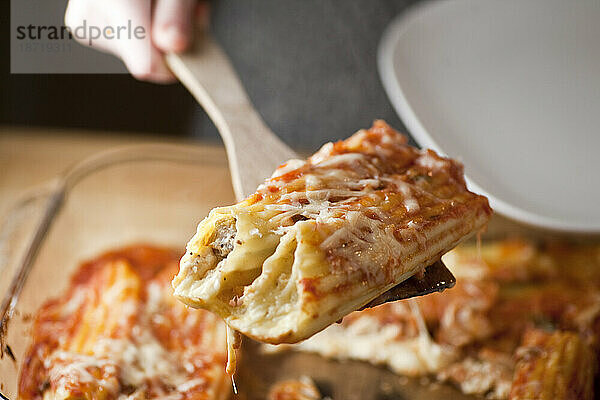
<point x="309" y="67"/>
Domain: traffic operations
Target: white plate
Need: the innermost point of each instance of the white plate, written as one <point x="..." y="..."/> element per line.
<point x="512" y="89"/>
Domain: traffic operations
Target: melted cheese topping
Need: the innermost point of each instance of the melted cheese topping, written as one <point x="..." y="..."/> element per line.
<point x="234" y="342"/>
<point x="405" y="347"/>
<point x="360" y="201"/>
<point x="118" y="334"/>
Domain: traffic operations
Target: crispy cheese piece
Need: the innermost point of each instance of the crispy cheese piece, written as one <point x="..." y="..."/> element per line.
<point x="553" y="365"/>
<point x="323" y="237"/>
<point x="300" y="389"/>
<point x="118" y="334"/>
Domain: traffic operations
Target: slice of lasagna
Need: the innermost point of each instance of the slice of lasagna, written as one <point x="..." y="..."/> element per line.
<point x="323" y="237"/>
<point x="118" y="334"/>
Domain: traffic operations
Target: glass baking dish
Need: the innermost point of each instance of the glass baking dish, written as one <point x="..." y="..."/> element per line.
<point x="145" y="193"/>
<point x="153" y="194"/>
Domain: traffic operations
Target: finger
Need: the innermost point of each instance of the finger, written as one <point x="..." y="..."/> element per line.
<point x="80" y="11"/>
<point x="151" y="69"/>
<point x="172" y="26"/>
<point x="142" y="58"/>
<point x="139" y="55"/>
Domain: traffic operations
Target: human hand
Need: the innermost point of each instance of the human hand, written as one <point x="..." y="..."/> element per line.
<point x="167" y="25"/>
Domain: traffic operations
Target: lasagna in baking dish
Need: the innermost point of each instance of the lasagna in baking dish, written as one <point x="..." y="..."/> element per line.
<point x="323" y="237"/>
<point x="522" y="322"/>
<point x="119" y="334"/>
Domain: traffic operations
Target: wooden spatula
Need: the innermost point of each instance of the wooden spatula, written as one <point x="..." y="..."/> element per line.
<point x="253" y="150"/>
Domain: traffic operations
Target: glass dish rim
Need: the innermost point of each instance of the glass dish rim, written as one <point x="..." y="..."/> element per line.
<point x="57" y="190"/>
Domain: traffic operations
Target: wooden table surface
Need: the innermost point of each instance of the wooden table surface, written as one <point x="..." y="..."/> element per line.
<point x="32" y="156"/>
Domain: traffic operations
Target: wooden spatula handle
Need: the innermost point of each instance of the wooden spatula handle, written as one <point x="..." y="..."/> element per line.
<point x="253" y="150"/>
